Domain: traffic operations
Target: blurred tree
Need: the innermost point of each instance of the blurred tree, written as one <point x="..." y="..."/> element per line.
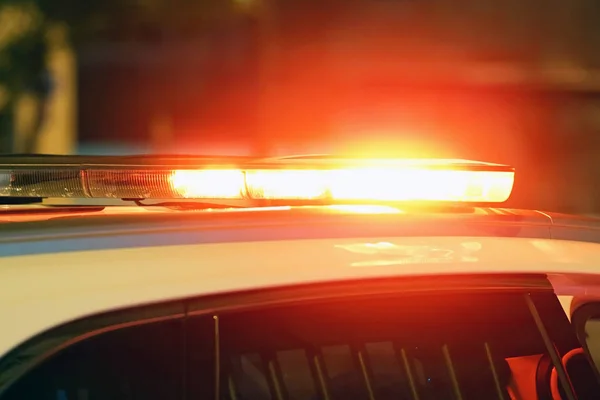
<point x="25" y="24"/>
<point x="22" y="51"/>
<point x="24" y="28"/>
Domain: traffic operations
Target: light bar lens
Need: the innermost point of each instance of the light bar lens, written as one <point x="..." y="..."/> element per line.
<point x="382" y="185"/>
<point x="225" y="184"/>
<point x="382" y="182"/>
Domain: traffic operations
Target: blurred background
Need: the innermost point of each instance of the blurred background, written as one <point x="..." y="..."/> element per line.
<point x="509" y="81"/>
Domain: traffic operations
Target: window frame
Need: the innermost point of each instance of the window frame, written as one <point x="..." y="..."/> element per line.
<point x="35" y="351"/>
<point x="579" y="317"/>
<point x="218" y="304"/>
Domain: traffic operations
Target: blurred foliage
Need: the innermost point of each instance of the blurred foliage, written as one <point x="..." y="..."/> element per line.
<point x="25" y="39"/>
<point x="24" y="25"/>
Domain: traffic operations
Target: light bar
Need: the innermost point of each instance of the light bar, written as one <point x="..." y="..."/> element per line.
<point x="286" y="179"/>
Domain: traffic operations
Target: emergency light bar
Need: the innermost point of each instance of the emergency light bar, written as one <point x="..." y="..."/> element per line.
<point x="287" y="179"/>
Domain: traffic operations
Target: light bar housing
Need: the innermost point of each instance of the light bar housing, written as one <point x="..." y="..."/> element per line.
<point x="322" y="179"/>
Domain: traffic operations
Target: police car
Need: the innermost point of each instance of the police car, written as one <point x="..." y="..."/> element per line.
<point x="289" y="278"/>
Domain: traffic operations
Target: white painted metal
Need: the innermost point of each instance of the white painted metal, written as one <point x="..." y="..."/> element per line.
<point x="45" y="290"/>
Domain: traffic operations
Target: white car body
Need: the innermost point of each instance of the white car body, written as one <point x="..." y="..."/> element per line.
<point x="62" y="266"/>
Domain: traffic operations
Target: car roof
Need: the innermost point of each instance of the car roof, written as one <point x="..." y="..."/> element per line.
<point x="38" y="229"/>
<point x="69" y="265"/>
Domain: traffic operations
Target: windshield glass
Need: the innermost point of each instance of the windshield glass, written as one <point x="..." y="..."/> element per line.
<point x="400" y="347"/>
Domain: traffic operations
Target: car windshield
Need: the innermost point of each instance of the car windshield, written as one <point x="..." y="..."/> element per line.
<point x="408" y="345"/>
<point x="399" y="347"/>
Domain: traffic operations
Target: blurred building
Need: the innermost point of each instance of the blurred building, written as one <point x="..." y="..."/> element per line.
<point x="163" y="87"/>
<point x="504" y="82"/>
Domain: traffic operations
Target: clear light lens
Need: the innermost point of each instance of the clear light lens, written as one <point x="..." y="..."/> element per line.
<point x="379" y="180"/>
<point x="399" y="184"/>
<point x="285" y="184"/>
<point x="421" y="185"/>
<point x="225" y="184"/>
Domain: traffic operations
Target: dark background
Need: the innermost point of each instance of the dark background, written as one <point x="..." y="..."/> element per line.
<point x="502" y="81"/>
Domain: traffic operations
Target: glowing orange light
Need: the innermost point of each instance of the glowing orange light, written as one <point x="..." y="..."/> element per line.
<point x="286" y="184"/>
<point x="381" y="182"/>
<point x="227" y="184"/>
<point x="367" y="209"/>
